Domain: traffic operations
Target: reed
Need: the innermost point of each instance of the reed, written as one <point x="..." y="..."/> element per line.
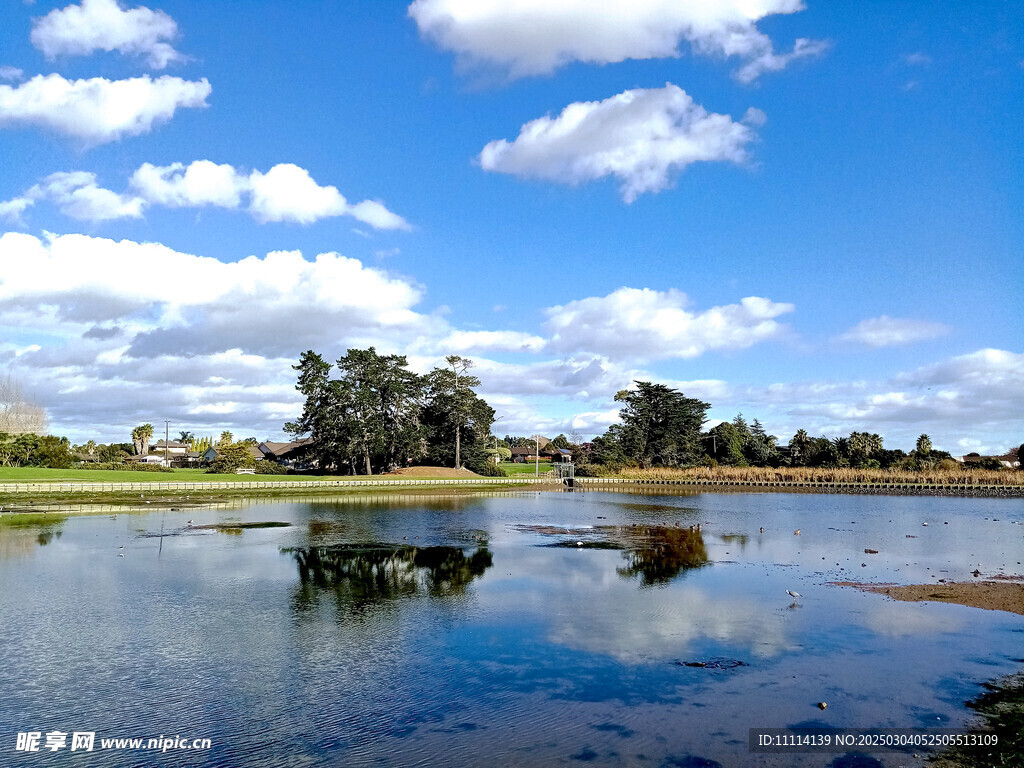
<point x="965" y="477"/>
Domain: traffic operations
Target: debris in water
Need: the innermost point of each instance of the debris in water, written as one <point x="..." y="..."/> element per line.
<point x="715" y="663"/>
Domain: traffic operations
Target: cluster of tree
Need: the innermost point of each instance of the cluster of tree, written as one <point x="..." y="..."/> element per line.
<point x="500" y="448"/>
<point x="661" y="427"/>
<point x="738" y="444"/>
<point x="18" y="414"/>
<point x="31" y="450"/>
<point x="376" y="415"/>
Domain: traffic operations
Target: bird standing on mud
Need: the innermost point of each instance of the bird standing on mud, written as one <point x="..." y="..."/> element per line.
<point x="794" y="595"/>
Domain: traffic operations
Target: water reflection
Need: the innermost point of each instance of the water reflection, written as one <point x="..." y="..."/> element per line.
<point x="21" y="534"/>
<point x="655" y="553"/>
<point x="371" y="573"/>
<point x="659" y="554"/>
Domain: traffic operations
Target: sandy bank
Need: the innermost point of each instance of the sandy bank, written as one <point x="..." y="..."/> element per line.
<point x="1006" y="594"/>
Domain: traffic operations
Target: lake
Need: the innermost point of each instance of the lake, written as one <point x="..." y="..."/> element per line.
<point x="517" y="629"/>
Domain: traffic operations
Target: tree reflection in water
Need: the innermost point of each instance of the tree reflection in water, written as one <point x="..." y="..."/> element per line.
<point x="372" y="573"/>
<point x="656" y="553"/>
<point x="659" y="553"/>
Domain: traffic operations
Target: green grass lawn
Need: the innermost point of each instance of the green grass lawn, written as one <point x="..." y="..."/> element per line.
<point x="523" y="470"/>
<point x="40" y="474"/>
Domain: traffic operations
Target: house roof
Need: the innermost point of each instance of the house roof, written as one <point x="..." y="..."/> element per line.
<point x="278" y="450"/>
<point x="211" y="453"/>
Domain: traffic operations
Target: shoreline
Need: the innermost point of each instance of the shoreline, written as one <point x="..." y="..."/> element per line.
<point x="29" y="496"/>
<point x="991" y="594"/>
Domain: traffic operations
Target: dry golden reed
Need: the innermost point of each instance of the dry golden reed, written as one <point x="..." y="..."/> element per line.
<point x="822" y="475"/>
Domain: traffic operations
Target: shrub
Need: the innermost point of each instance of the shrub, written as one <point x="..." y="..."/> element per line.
<point x="132" y="467"/>
<point x="490" y="470"/>
<point x="266" y="467"/>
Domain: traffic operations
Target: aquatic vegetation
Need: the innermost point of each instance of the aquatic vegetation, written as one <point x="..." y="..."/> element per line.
<point x="966" y="477"/>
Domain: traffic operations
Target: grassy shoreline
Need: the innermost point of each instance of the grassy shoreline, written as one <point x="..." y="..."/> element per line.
<point x="51" y="486"/>
<point x="958" y="477"/>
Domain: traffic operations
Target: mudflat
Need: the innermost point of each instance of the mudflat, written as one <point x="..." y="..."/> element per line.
<point x="996" y="594"/>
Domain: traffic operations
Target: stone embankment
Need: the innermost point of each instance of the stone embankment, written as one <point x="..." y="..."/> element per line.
<point x="580" y="483"/>
<point x="915" y="489"/>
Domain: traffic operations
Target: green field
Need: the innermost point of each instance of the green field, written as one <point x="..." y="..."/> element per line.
<point x="524" y="470"/>
<point x="41" y="474"/>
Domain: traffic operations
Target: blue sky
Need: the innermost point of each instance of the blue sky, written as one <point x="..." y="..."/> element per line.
<point x="807" y="213"/>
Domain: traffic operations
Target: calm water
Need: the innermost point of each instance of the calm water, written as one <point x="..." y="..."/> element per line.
<point x="497" y="630"/>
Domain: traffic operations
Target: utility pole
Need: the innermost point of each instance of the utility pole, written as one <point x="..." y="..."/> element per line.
<point x="536" y="456"/>
<point x="167" y="425"/>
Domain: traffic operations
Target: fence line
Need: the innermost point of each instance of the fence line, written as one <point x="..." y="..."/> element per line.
<point x="100" y="487"/>
<point x="820" y="486"/>
<point x="579" y="482"/>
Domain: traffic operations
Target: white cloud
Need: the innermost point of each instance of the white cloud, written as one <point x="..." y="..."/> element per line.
<point x="98" y="110"/>
<point x="285" y="193"/>
<point x="888" y="331"/>
<point x="632" y="323"/>
<point x="641" y="137"/>
<point x="975" y="396"/>
<point x="79" y="197"/>
<point x="374" y="213"/>
<point x="534" y="37"/>
<point x="11" y="74"/>
<point x="200" y="183"/>
<point x="117" y="318"/>
<point x="462" y="342"/>
<point x="11" y="210"/>
<point x="917" y="59"/>
<point x="78" y="30"/>
<point x="288" y="193"/>
<point x="769" y="61"/>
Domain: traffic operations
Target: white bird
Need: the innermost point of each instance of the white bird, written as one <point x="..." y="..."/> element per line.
<point x="794" y="595"/>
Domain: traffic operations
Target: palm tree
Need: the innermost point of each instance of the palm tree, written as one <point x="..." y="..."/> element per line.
<point x="924" y="446"/>
<point x="800" y="444"/>
<point x="140" y="438"/>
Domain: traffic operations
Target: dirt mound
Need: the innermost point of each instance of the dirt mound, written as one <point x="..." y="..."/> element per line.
<point x="442" y="472"/>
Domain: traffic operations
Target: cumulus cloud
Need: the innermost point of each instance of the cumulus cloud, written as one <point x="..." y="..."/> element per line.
<point x="79" y="197"/>
<point x="888" y="331"/>
<point x="181" y="296"/>
<point x="200" y="183"/>
<point x="462" y="342"/>
<point x="11" y="210"/>
<point x="963" y="398"/>
<point x="102" y="25"/>
<point x="288" y="193"/>
<point x="98" y="110"/>
<point x="632" y="323"/>
<point x="119" y="317"/>
<point x="538" y="36"/>
<point x="642" y="137"/>
<point x="285" y="193"/>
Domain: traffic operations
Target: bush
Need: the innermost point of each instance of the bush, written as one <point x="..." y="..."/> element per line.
<point x="488" y="469"/>
<point x="132" y="467"/>
<point x="267" y="467"/>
